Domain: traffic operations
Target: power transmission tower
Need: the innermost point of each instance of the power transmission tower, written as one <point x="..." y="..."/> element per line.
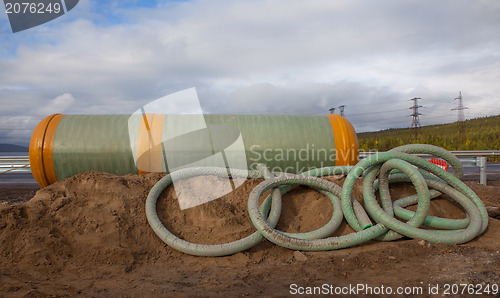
<point x="341" y="108"/>
<point x="415" y="123"/>
<point x="332" y="110"/>
<point x="460" y="117"/>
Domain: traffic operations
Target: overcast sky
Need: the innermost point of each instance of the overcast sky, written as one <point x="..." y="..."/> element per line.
<point x="255" y="56"/>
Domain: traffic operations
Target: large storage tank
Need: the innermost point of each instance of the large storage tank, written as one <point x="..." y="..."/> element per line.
<point x="64" y="145"/>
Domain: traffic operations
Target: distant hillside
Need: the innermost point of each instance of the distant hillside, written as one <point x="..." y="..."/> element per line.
<point x="480" y="134"/>
<point x="13" y="148"/>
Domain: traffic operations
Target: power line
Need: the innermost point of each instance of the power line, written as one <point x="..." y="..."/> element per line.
<point x="378" y="103"/>
<point x="381" y="112"/>
<point x="381" y="121"/>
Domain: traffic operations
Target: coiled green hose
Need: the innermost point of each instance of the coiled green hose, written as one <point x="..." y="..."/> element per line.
<point x="378" y="172"/>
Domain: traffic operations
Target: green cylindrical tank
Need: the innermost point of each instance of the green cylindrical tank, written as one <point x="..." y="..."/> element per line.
<point x="64" y="145"/>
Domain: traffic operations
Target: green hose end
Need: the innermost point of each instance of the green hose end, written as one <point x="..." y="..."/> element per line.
<point x="367" y="226"/>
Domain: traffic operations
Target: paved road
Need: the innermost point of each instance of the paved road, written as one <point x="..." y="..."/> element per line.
<point x="13" y="179"/>
<point x="492" y="168"/>
<point x="27" y="179"/>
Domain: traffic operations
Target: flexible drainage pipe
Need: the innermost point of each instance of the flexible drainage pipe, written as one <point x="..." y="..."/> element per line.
<point x="376" y="170"/>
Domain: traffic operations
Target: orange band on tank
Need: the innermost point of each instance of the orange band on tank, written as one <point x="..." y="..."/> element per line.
<point x="353" y="144"/>
<point x="346" y="141"/>
<point x="41" y="149"/>
<point x="48" y="146"/>
<point x="149" y="149"/>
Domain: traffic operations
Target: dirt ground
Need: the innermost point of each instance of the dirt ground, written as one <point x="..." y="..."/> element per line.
<point x="88" y="236"/>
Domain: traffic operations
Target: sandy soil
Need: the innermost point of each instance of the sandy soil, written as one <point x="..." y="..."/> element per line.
<point x="88" y="236"/>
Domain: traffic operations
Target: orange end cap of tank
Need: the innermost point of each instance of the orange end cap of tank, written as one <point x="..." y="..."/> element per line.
<point x="346" y="141"/>
<point x="41" y="150"/>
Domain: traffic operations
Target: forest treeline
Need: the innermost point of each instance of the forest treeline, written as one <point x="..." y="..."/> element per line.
<point x="479" y="134"/>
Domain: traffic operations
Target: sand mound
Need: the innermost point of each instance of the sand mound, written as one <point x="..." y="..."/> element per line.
<point x="98" y="219"/>
<point x="93" y="217"/>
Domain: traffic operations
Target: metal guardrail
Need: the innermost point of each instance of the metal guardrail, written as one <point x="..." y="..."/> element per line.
<point x="363" y="154"/>
<point x="12" y="162"/>
<point x="475" y="158"/>
<point x="477" y="153"/>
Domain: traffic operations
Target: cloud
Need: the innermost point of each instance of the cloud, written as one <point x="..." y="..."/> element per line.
<point x="59" y="104"/>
